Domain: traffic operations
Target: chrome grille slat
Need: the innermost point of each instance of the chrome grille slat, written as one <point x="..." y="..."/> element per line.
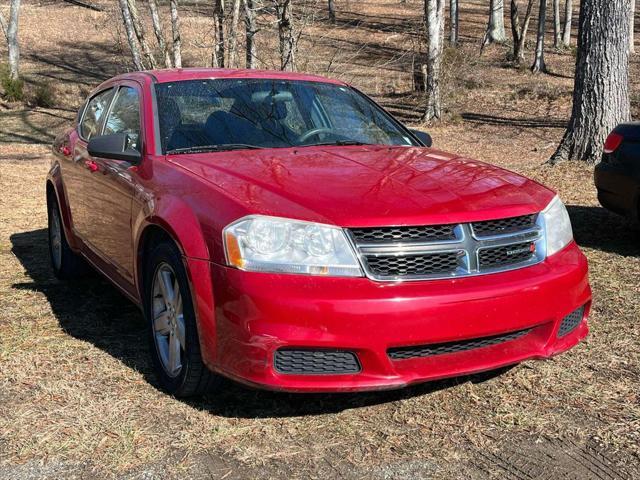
<point x="430" y="258"/>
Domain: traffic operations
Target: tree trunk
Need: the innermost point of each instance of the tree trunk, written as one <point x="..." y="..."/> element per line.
<point x="332" y="11"/>
<point x="601" y="85"/>
<point x="557" y="29"/>
<point x="250" y="33"/>
<point x="175" y="30"/>
<point x="568" y="13"/>
<point x="538" y="64"/>
<point x="454" y="22"/>
<point x="157" y="30"/>
<point x="495" y="28"/>
<point x="218" y="25"/>
<point x="285" y="35"/>
<point x="138" y="28"/>
<point x="232" y="39"/>
<point x="519" y="32"/>
<point x="632" y="47"/>
<point x="11" y="34"/>
<point x="434" y="23"/>
<point x="131" y="35"/>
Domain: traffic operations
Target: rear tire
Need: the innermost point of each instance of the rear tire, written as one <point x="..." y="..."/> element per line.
<point x="171" y="323"/>
<point x="66" y="264"/>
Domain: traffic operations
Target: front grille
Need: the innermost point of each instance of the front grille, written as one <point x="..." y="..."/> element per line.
<point x="405" y="234"/>
<point x="504" y="225"/>
<point x="449" y="250"/>
<point x="421" y="351"/>
<point x="505" y="255"/>
<point x="570" y="322"/>
<point x="315" y="362"/>
<point x="412" y="265"/>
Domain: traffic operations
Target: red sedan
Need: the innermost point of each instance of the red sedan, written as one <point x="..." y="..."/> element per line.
<point x="284" y="231"/>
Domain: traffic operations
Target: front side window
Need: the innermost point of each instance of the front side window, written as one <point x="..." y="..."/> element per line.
<point x="94" y="114"/>
<point x="124" y="116"/>
<point x="268" y="113"/>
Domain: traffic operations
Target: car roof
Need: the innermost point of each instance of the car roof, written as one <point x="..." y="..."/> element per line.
<point x="181" y="74"/>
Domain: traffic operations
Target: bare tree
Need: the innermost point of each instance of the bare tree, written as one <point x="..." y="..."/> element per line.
<point x="557" y="29"/>
<point x="332" y="11"/>
<point x="217" y="59"/>
<point x="157" y="30"/>
<point x="175" y="31"/>
<point x="138" y="28"/>
<point x="632" y="47"/>
<point x="566" y="32"/>
<point x="251" y="30"/>
<point x="519" y="31"/>
<point x="495" y="27"/>
<point x="232" y="39"/>
<point x="286" y="36"/>
<point x="453" y="22"/>
<point x="601" y="85"/>
<point x="10" y="32"/>
<point x="131" y="35"/>
<point x="434" y="23"/>
<point x="538" y="63"/>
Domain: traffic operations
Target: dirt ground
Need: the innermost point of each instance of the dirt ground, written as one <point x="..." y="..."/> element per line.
<point x="78" y="398"/>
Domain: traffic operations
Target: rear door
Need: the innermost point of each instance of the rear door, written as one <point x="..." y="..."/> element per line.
<point x="114" y="184"/>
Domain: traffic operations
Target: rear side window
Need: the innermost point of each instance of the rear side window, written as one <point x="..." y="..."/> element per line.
<point x="94" y="113"/>
<point x="124" y="116"/>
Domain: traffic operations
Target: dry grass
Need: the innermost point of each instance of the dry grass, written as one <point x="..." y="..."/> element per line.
<point x="77" y="394"/>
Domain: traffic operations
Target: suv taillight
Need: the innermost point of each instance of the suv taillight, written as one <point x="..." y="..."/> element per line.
<point x="613" y="142"/>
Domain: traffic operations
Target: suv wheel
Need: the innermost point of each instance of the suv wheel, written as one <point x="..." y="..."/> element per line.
<point x="173" y="334"/>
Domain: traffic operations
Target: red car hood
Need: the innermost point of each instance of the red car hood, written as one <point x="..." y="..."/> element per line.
<point x="367" y="185"/>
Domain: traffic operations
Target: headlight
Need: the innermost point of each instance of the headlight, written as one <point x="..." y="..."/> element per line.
<point x="557" y="226"/>
<point x="270" y="244"/>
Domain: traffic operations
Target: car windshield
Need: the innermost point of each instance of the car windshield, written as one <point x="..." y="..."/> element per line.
<point x="203" y="115"/>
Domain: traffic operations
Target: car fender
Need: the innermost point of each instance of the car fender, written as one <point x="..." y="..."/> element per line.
<point x="178" y="221"/>
<point x="54" y="178"/>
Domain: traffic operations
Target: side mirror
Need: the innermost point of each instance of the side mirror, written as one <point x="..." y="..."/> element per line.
<point x="424" y="137"/>
<point x="117" y="146"/>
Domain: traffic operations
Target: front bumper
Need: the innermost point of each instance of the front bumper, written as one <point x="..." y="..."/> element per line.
<point x="257" y="313"/>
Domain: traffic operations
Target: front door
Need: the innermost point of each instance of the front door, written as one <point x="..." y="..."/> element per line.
<point x="109" y="233"/>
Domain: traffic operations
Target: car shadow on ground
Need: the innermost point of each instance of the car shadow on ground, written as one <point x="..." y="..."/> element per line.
<point x="93" y="310"/>
<point x="597" y="228"/>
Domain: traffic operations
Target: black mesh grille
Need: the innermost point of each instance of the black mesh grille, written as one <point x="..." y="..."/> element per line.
<point x="570" y="322"/>
<point x="418" y="351"/>
<point x="315" y="362"/>
<point x="503" y="225"/>
<point x="407" y="265"/>
<point x="403" y="234"/>
<point x="505" y="255"/>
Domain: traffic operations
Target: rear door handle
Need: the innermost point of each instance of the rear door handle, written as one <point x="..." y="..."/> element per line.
<point x="91" y="165"/>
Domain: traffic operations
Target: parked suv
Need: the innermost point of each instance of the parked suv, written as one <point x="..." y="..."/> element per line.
<point x="284" y="231"/>
<point x="617" y="176"/>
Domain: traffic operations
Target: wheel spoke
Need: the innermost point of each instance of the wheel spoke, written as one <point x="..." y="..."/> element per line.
<point x="180" y="334"/>
<point x="174" y="353"/>
<point x="166" y="287"/>
<point x="161" y="323"/>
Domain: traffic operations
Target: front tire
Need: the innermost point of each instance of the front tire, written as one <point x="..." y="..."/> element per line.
<point x="172" y="329"/>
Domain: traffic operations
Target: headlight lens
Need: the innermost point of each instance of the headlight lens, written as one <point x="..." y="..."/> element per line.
<point x="270" y="244"/>
<point x="557" y="226"/>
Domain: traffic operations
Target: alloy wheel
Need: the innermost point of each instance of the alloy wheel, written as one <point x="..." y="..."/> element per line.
<point x="168" y="320"/>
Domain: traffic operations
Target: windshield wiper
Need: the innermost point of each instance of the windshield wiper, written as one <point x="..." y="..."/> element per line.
<point x="215" y="148"/>
<point x="340" y="143"/>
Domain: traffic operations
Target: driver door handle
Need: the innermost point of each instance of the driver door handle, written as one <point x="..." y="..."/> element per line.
<point x="91" y="165"/>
